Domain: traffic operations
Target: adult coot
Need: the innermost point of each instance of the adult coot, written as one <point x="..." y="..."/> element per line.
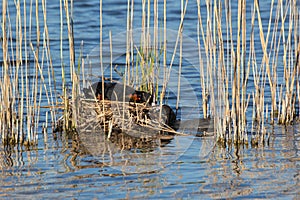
<point x="115" y="92"/>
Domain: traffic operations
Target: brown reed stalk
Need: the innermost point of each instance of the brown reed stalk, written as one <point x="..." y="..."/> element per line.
<point x="236" y="79"/>
<point x="131" y="80"/>
<point x="265" y="60"/>
<point x="296" y="40"/>
<point x="127" y="69"/>
<point x="227" y="70"/>
<point x="63" y="75"/>
<point x="140" y="64"/>
<point x="52" y="99"/>
<point x="12" y="133"/>
<point x="232" y="61"/>
<point x="153" y="88"/>
<point x="210" y="50"/>
<point x="111" y="55"/>
<point x="165" y="81"/>
<point x="5" y="93"/>
<point x="220" y="76"/>
<point x="208" y="89"/>
<point x="33" y="107"/>
<point x="244" y="78"/>
<point x="203" y="80"/>
<point x="275" y="50"/>
<point x="21" y="104"/>
<point x="69" y="21"/>
<point x="27" y="85"/>
<point x="180" y="58"/>
<point x="15" y="81"/>
<point x="100" y="51"/>
<point x="210" y="61"/>
<point x="74" y="76"/>
<point x="36" y="107"/>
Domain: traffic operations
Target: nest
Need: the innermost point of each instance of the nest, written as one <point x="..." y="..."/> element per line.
<point x="127" y="124"/>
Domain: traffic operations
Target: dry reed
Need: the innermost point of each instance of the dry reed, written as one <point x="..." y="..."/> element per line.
<point x="19" y="93"/>
<point x="226" y="61"/>
<point x="231" y="80"/>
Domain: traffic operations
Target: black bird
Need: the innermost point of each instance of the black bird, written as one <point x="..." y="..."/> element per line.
<point x="168" y="116"/>
<point x="115" y="91"/>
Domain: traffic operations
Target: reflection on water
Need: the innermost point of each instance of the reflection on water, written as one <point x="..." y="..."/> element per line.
<point x="66" y="166"/>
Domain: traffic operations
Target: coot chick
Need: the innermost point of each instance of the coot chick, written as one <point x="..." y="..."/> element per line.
<point x="114" y="92"/>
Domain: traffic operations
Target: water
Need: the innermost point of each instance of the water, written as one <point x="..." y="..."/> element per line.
<point x="187" y="167"/>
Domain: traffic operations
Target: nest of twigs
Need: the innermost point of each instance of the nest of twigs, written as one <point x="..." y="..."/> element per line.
<point x="127" y="124"/>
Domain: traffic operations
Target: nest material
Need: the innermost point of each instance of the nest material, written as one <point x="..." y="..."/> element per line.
<point x="136" y="123"/>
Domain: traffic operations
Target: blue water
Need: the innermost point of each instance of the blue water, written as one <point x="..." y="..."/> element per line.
<point x="188" y="167"/>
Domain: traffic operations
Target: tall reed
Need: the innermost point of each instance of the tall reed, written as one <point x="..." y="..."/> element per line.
<point x="232" y="79"/>
<point x="20" y="93"/>
<point x="231" y="49"/>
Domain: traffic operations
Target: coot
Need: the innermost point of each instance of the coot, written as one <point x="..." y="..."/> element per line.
<point x="168" y="116"/>
<point x="115" y="91"/>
